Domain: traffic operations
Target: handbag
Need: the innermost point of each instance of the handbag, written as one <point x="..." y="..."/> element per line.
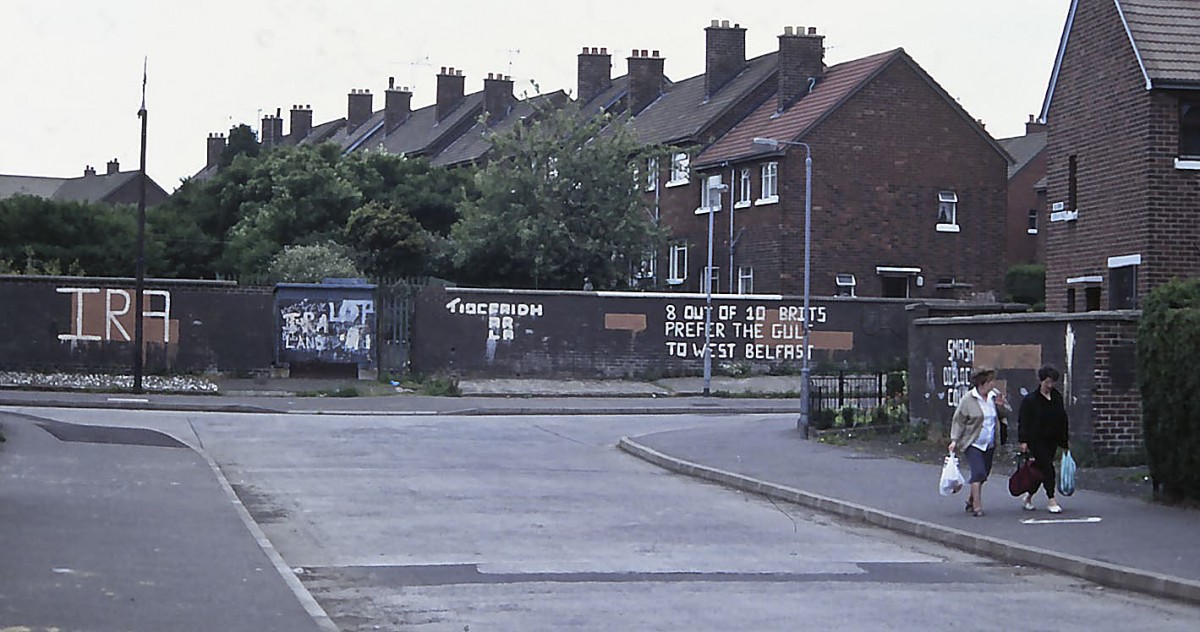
<point x="1066" y="474"/>
<point x="952" y="479"/>
<point x="1027" y="478"/>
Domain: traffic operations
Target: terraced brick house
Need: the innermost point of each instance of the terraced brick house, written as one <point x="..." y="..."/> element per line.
<point x="1122" y="112"/>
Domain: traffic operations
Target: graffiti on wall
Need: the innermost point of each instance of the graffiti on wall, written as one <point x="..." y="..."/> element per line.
<point x="108" y="315"/>
<point x="328" y="326"/>
<point x="501" y="318"/>
<point x="956" y="373"/>
<point x="747" y="332"/>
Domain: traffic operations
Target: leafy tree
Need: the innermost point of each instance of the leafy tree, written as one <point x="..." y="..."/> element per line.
<point x="1026" y="283"/>
<point x="311" y="263"/>
<point x="242" y="142"/>
<point x="560" y="204"/>
<point x="40" y="236"/>
<point x="390" y="242"/>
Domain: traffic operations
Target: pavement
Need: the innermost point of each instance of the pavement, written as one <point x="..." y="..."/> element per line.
<point x="74" y="534"/>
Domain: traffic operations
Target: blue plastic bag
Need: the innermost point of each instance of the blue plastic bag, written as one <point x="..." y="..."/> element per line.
<point x="1066" y="474"/>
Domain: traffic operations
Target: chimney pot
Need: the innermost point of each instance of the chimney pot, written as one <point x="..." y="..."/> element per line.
<point x="812" y="30"/>
<point x="391" y="83"/>
<point x="787" y="30"/>
<point x="443" y="70"/>
<point x="584" y="51"/>
<point x="645" y="53"/>
<point x="724" y="24"/>
<point x="603" y="51"/>
<point x="715" y="23"/>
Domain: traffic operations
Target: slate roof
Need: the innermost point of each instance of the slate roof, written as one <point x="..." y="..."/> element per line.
<point x="840" y="83"/>
<point x="683" y="112"/>
<point x="1022" y="149"/>
<point x="473" y="144"/>
<point x="1166" y="35"/>
<point x="611" y="100"/>
<point x="422" y="130"/>
<point x="95" y="188"/>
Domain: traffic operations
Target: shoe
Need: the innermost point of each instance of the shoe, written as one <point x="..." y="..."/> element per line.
<point x="978" y="513"/>
<point x="969" y="508"/>
<point x="1029" y="506"/>
<point x="1054" y="509"/>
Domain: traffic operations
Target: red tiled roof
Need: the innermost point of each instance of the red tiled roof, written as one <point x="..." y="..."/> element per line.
<point x="839" y="83"/>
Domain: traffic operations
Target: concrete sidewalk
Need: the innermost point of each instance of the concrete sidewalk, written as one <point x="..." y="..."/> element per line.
<point x="1135" y="545"/>
<point x="127" y="529"/>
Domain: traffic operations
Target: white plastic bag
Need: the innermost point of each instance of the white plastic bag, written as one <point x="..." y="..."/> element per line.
<point x="1066" y="475"/>
<point x="952" y="480"/>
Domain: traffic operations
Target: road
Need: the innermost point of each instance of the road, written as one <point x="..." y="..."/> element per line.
<point x="540" y="523"/>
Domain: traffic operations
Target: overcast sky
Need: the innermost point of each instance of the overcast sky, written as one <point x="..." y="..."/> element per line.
<point x="72" y="70"/>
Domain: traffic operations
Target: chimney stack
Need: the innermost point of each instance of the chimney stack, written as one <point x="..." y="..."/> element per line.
<point x="89" y="171"/>
<point x="497" y="96"/>
<point x="397" y="105"/>
<point x="645" y="79"/>
<point x="450" y="91"/>
<point x="359" y="107"/>
<point x="301" y="122"/>
<point x="272" y="130"/>
<point x="216" y="146"/>
<point x="113" y="167"/>
<point x="1034" y="126"/>
<point x="594" y="75"/>
<point x="801" y="64"/>
<point x="724" y="54"/>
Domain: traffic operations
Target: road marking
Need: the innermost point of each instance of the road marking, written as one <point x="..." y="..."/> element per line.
<point x="1061" y="520"/>
<point x="130" y="400"/>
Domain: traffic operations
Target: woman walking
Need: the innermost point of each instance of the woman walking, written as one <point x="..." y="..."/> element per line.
<point x="1042" y="429"/>
<point x="980" y="424"/>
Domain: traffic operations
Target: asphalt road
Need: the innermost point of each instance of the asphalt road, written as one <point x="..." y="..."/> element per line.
<point x="540" y="523"/>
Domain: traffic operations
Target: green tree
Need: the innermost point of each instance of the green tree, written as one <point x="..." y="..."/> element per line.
<point x="560" y="203"/>
<point x="389" y="241"/>
<point x="311" y="263"/>
<point x="40" y="236"/>
<point x="1026" y="283"/>
<point x="241" y="142"/>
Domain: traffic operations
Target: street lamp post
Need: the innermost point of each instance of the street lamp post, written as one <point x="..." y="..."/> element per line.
<point x="805" y="372"/>
<point x="708" y="284"/>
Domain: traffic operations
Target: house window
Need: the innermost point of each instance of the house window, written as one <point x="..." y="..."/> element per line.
<point x="645" y="270"/>
<point x="677" y="272"/>
<point x="770" y="182"/>
<point x="710" y="194"/>
<point x="947" y="218"/>
<point x="714" y="279"/>
<point x="1033" y="215"/>
<point x="1070" y="300"/>
<point x="1122" y="288"/>
<point x="846" y="284"/>
<point x="652" y="174"/>
<point x="1072" y="183"/>
<point x="745" y="280"/>
<point x="679" y="169"/>
<point x="1091" y="296"/>
<point x="895" y="286"/>
<point x="1189" y="129"/>
<point x="744" y="189"/>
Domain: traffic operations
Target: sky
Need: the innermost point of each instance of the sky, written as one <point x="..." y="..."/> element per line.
<point x="72" y="70"/>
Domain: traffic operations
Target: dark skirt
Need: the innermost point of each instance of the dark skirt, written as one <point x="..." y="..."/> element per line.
<point x="980" y="462"/>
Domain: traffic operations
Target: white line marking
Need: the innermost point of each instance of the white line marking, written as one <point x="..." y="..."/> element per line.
<point x="1061" y="520"/>
<point x="131" y="400"/>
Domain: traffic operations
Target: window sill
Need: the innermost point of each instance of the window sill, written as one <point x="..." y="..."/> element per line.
<point x="743" y="204"/>
<point x="948" y="228"/>
<point x="653" y="188"/>
<point x="1187" y="164"/>
<point x="774" y="199"/>
<point x="677" y="183"/>
<point x="704" y="211"/>
<point x="1064" y="216"/>
<point x="675" y="281"/>
<point x="1031" y="231"/>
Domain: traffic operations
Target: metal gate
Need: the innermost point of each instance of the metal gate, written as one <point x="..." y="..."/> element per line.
<point x="394" y="300"/>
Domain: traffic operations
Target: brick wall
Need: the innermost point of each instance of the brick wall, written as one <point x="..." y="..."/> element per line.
<point x="1023" y="247"/>
<point x="1116" y="401"/>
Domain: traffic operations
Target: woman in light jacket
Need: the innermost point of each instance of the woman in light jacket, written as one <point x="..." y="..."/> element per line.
<point x="980" y="424"/>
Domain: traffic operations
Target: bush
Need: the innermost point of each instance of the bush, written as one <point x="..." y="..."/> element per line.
<point x="1168" y="335"/>
<point x="1026" y="283"/>
<point x="823" y="418"/>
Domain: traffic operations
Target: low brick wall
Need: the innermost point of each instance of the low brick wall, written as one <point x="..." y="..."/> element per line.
<point x="1095" y="351"/>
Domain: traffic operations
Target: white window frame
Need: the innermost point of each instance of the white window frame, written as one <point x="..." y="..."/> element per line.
<point x="769" y="184"/>
<point x="652" y="173"/>
<point x="745" y="283"/>
<point x="713" y="275"/>
<point x="846" y="284"/>
<point x="680" y="170"/>
<point x="677" y="264"/>
<point x="1032" y="226"/>
<point x="947" y="201"/>
<point x="744" y="192"/>
<point x="710" y="201"/>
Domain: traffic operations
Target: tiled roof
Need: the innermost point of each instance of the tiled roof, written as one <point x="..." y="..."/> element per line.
<point x="683" y="112"/>
<point x="474" y="144"/>
<point x="1022" y="149"/>
<point x="839" y="83"/>
<point x="610" y="100"/>
<point x="82" y="189"/>
<point x="1166" y="34"/>
<point x="422" y="129"/>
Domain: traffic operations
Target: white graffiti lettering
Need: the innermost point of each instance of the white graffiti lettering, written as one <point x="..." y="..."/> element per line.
<point x="111" y="319"/>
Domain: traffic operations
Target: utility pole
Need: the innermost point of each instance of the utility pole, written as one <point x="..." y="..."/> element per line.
<point x="140" y="278"/>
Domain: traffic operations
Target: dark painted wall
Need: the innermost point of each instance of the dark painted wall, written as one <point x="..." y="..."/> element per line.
<point x="189" y="326"/>
<point x="942" y="352"/>
<point x="326" y="324"/>
<point x="472" y="332"/>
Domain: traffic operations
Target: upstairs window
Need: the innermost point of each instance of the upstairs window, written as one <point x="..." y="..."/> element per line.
<point x="947" y="217"/>
<point x="710" y="194"/>
<point x="678" y="264"/>
<point x="744" y="188"/>
<point x="770" y="182"/>
<point x="1189" y="130"/>
<point x="745" y="280"/>
<point x="714" y="279"/>
<point x="652" y="174"/>
<point x="1033" y="227"/>
<point x="679" y="169"/>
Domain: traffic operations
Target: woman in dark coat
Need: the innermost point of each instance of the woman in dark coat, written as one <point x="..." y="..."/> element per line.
<point x="1042" y="429"/>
